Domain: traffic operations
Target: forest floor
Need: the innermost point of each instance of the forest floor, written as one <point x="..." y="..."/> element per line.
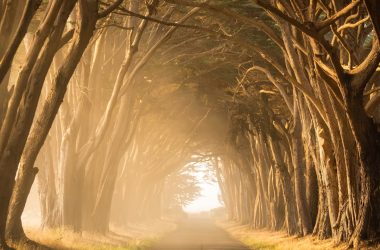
<point x="192" y="233"/>
<point x="269" y="240"/>
<point x="134" y="237"/>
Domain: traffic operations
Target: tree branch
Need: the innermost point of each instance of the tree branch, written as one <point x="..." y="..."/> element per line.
<point x="322" y="24"/>
<point x="110" y="8"/>
<point x="176" y="24"/>
<point x="363" y="72"/>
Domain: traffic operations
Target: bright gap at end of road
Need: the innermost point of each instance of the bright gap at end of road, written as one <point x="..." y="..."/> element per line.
<point x="210" y="194"/>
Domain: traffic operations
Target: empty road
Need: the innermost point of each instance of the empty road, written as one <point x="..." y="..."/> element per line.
<point x="198" y="233"/>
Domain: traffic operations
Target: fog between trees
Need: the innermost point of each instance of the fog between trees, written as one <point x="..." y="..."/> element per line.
<point x="106" y="105"/>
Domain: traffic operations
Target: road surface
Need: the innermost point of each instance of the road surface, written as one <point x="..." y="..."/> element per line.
<point x="198" y="234"/>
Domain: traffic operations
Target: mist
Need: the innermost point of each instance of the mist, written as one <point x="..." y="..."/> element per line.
<point x="176" y="124"/>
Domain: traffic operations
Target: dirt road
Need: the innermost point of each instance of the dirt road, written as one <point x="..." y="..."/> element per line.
<point x="198" y="234"/>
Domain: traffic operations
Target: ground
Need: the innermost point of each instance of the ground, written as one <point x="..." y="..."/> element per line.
<point x="135" y="237"/>
<point x="196" y="233"/>
<point x="269" y="240"/>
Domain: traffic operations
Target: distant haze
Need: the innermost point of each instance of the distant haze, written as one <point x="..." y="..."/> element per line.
<point x="208" y="199"/>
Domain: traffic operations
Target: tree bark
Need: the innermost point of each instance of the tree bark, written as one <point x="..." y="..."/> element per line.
<point x="50" y="108"/>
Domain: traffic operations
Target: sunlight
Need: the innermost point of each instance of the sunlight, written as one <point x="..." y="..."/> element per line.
<point x="210" y="192"/>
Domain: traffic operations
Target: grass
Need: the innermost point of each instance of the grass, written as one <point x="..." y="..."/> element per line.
<point x="254" y="244"/>
<point x="64" y="239"/>
<point x="268" y="240"/>
<point x="135" y="237"/>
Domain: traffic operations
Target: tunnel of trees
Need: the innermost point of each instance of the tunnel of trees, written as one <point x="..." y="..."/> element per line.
<point x="104" y="104"/>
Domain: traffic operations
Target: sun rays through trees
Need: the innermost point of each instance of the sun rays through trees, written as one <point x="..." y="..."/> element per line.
<point x="112" y="110"/>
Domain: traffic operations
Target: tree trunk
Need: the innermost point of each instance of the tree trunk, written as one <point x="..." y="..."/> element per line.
<point x="368" y="146"/>
<point x="50" y="108"/>
<point x="304" y="220"/>
<point x="290" y="209"/>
